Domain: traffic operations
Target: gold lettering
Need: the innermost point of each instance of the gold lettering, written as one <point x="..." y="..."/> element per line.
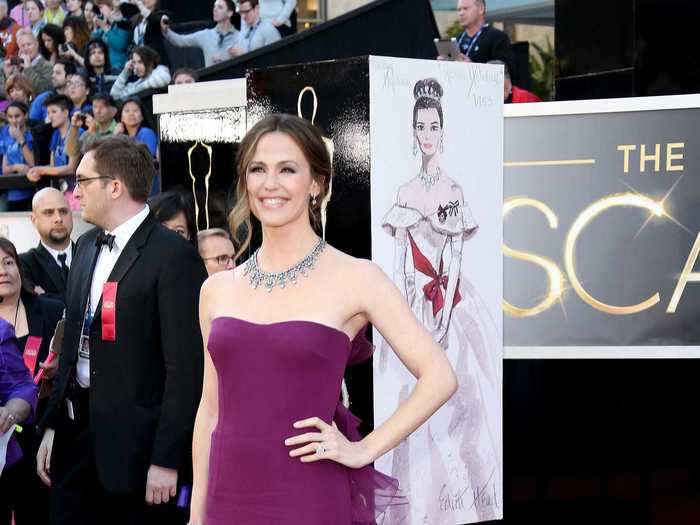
<point x="670" y="156"/>
<point x="586" y="216"/>
<point x="555" y="279"/>
<point x="644" y="158"/>
<point x="687" y="276"/>
<point x="626" y="148"/>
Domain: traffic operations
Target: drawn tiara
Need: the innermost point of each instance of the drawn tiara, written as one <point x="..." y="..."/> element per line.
<point x="429" y="91"/>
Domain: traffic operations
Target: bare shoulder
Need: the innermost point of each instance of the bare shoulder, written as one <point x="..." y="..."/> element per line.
<point x="354" y="270"/>
<point x="451" y="186"/>
<point x="222" y="283"/>
<point x="405" y="191"/>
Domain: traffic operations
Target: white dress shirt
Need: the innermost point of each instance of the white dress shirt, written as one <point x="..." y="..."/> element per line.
<point x="106" y="259"/>
<point x="55" y="253"/>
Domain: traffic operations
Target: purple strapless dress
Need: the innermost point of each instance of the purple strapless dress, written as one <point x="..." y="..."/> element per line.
<point x="271" y="375"/>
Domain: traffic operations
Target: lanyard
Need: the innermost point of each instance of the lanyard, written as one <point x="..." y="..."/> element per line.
<point x="472" y="41"/>
<point x="251" y="34"/>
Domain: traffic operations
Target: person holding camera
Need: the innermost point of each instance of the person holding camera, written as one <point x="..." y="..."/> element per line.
<point x="29" y="62"/>
<point x="77" y="35"/>
<point x="114" y="30"/>
<point x="97" y="123"/>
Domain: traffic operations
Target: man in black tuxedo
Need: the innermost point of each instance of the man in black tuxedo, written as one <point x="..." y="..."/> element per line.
<point x="46" y="266"/>
<point x="117" y="444"/>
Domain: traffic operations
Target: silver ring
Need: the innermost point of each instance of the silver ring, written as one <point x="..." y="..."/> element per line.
<point x="320" y="449"/>
<point x="11" y="417"/>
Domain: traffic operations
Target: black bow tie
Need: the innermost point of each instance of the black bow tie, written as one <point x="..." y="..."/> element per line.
<point x="104" y="239"/>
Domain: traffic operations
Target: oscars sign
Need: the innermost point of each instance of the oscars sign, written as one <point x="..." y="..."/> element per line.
<point x="601" y="228"/>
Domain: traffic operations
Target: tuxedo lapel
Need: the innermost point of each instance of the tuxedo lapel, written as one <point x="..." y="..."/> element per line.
<point x="53" y="270"/>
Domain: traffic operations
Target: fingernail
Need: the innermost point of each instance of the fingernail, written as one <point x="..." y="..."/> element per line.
<point x="286" y="442"/>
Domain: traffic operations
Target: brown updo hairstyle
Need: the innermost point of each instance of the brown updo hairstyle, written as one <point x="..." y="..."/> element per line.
<point x="309" y="140"/>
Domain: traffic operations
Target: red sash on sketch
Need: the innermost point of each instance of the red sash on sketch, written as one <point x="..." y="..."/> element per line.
<point x="432" y="290"/>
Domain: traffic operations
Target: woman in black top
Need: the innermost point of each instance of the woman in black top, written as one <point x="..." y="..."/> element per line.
<point x="147" y="30"/>
<point x="34" y="319"/>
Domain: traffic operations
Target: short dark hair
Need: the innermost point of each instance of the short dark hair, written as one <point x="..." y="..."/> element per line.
<point x="61" y="101"/>
<point x="19" y="105"/>
<point x="186" y="71"/>
<point x="126" y="159"/>
<point x="106" y="98"/>
<point x="253" y="3"/>
<point x="84" y="77"/>
<point x="68" y="66"/>
<point x="169" y="204"/>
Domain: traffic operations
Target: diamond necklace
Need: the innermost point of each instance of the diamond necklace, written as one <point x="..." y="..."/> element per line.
<point x="428" y="180"/>
<point x="281" y="279"/>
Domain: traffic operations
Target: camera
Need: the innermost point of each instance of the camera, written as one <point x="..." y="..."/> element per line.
<point x="165" y="20"/>
<point x="63" y="48"/>
<point x="15" y="61"/>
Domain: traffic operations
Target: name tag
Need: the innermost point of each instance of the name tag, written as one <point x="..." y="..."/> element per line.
<point x="84" y="346"/>
<point x="109" y="311"/>
<point x="31" y="352"/>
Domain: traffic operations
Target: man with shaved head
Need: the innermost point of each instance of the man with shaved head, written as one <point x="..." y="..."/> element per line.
<point x="46" y="266"/>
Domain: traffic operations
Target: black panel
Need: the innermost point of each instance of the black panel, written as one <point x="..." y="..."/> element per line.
<point x="342" y="90"/>
<point x="594" y="36"/>
<point x="600" y="85"/>
<point x="655" y="39"/>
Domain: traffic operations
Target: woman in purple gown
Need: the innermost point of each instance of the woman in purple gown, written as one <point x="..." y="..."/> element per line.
<point x="271" y="443"/>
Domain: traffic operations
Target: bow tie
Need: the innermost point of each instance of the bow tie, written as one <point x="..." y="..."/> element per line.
<point x="104" y="239"/>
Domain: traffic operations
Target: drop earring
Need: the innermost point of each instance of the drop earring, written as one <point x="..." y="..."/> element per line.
<point x="442" y="145"/>
<point x="313" y="201"/>
<point x="415" y="146"/>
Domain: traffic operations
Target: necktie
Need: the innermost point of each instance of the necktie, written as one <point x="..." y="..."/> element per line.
<point x="64" y="267"/>
<point x="104" y="239"/>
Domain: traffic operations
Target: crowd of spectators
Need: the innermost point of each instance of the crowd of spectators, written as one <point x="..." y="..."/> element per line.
<point x="75" y="69"/>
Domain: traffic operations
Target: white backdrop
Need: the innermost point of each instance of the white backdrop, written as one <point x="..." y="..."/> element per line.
<point x="450" y="468"/>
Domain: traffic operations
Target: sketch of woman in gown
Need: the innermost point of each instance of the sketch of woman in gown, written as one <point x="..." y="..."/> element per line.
<point x="451" y="466"/>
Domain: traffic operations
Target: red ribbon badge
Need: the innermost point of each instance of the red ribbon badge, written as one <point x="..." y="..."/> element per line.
<point x="31" y="352"/>
<point x="109" y="311"/>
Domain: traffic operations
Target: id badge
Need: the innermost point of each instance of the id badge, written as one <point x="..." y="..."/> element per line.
<point x="31" y="352"/>
<point x="84" y="348"/>
<point x="109" y="311"/>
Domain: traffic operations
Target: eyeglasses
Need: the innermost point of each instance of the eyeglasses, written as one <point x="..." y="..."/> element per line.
<point x="221" y="260"/>
<point x="75" y="83"/>
<point x="84" y="181"/>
